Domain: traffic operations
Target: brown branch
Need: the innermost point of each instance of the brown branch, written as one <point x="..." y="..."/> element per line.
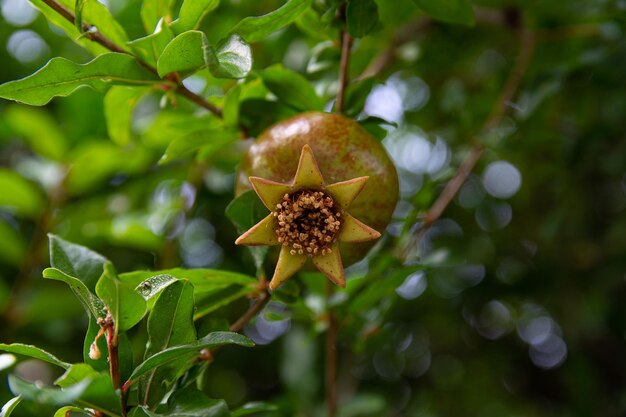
<point x="331" y="356"/>
<point x="33" y="258"/>
<point x="346" y="45"/>
<point x="527" y="44"/>
<point x="92" y="33"/>
<point x="254" y="309"/>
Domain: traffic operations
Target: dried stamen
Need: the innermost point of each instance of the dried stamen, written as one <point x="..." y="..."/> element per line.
<point x="307" y="222"/>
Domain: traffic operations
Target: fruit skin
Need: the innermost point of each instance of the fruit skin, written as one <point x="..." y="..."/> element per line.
<point x="344" y="150"/>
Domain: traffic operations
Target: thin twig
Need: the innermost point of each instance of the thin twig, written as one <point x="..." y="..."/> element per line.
<point x="331" y="356"/>
<point x="250" y="313"/>
<point x="346" y="45"/>
<point x="527" y="43"/>
<point x="92" y="33"/>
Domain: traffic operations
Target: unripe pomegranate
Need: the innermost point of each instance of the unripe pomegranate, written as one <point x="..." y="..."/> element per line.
<point x="329" y="185"/>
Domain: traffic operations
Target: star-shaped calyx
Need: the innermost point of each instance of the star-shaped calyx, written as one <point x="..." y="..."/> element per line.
<point x="308" y="219"/>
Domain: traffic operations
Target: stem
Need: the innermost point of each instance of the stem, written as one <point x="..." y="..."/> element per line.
<point x="96" y="36"/>
<point x="331" y="356"/>
<point x="346" y="45"/>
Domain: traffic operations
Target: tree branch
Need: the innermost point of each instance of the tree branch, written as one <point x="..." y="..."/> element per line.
<point x="331" y="356"/>
<point x="254" y="309"/>
<point x="346" y="45"/>
<point x="92" y="34"/>
<point x="527" y="44"/>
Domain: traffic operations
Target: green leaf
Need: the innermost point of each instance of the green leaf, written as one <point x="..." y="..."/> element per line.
<point x="150" y="48"/>
<point x="33" y="352"/>
<point x="252" y="408"/>
<point x="189" y="351"/>
<point x="63" y="411"/>
<point x="99" y="394"/>
<point x="452" y="11"/>
<point x="291" y="88"/>
<point x="93" y="305"/>
<point x="61" y="77"/>
<point x="154" y="10"/>
<point x="151" y="287"/>
<point x="191" y="402"/>
<point x="185" y="53"/>
<point x="50" y="396"/>
<point x="187" y="145"/>
<point x="245" y="211"/>
<point x="39" y="129"/>
<point x="311" y="24"/>
<point x="76" y="261"/>
<point x="232" y="58"/>
<point x="170" y="324"/>
<point x="361" y="17"/>
<point x="10" y="405"/>
<point x="20" y="195"/>
<point x="125" y="305"/>
<point x="257" y="28"/>
<point x="119" y="103"/>
<point x="191" y="14"/>
<point x="13" y="246"/>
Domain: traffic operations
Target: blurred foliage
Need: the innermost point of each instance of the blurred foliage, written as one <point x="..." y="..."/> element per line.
<point x="508" y="306"/>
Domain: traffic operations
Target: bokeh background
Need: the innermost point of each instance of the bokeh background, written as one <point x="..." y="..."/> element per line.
<point x="512" y="304"/>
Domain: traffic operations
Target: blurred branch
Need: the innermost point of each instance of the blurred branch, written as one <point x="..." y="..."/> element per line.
<point x="33" y="258"/>
<point x="331" y="356"/>
<point x="92" y="33"/>
<point x="511" y="86"/>
<point x="346" y="45"/>
<point x="254" y="309"/>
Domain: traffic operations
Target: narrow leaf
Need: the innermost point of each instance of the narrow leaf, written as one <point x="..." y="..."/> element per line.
<point x="76" y="261"/>
<point x="232" y="58"/>
<point x="119" y="103"/>
<point x="78" y="15"/>
<point x="71" y="410"/>
<point x="10" y="405"/>
<point x="452" y="11"/>
<point x="185" y="351"/>
<point x="361" y="17"/>
<point x="91" y="303"/>
<point x="252" y="408"/>
<point x="170" y="323"/>
<point x="191" y="14"/>
<point x="33" y="352"/>
<point x="186" y="53"/>
<point x="202" y="279"/>
<point x="61" y="77"/>
<point x="125" y="305"/>
<point x="257" y="28"/>
<point x="291" y="88"/>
